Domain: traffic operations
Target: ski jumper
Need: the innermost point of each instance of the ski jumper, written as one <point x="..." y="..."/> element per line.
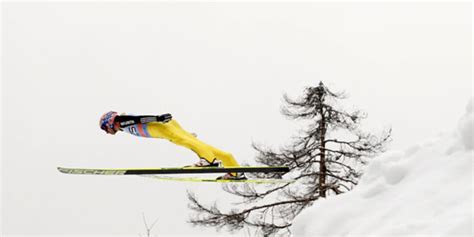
<point x="174" y="133"/>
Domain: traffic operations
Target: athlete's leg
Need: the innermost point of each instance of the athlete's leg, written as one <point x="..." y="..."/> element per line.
<point x="172" y="132"/>
<point x="197" y="147"/>
<point x="226" y="157"/>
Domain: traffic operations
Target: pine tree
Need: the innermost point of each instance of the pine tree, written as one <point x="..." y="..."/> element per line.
<point x="324" y="159"/>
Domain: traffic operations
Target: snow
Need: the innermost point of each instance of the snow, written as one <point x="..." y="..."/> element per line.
<point x="424" y="190"/>
<point x="466" y="126"/>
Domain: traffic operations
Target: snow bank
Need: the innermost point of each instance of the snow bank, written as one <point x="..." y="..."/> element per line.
<point x="466" y="126"/>
<point x="424" y="190"/>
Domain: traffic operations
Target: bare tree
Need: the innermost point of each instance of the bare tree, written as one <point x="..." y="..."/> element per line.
<point x="148" y="228"/>
<point x="325" y="159"/>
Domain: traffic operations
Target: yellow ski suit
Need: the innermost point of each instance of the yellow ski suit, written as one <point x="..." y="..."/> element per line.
<point x="174" y="133"/>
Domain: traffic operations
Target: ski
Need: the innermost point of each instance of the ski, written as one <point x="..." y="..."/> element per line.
<point x="179" y="170"/>
<point x="209" y="180"/>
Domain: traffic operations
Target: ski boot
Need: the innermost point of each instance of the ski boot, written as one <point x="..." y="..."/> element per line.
<point x="204" y="163"/>
<point x="230" y="176"/>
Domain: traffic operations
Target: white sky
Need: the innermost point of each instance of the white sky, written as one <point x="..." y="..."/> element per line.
<point x="221" y="70"/>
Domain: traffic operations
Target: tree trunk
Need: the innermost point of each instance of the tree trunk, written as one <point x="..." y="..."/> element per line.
<point x="322" y="150"/>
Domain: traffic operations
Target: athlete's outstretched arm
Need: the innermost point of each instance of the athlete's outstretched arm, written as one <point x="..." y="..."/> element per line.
<point x="128" y="120"/>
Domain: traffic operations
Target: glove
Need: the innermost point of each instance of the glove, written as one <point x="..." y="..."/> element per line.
<point x="164" y="118"/>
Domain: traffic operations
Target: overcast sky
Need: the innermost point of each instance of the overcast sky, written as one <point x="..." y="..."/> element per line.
<point x="221" y="70"/>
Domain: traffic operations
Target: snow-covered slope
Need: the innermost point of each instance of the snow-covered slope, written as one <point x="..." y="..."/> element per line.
<point x="425" y="190"/>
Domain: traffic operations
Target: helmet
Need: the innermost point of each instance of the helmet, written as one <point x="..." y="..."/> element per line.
<point x="107" y="122"/>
